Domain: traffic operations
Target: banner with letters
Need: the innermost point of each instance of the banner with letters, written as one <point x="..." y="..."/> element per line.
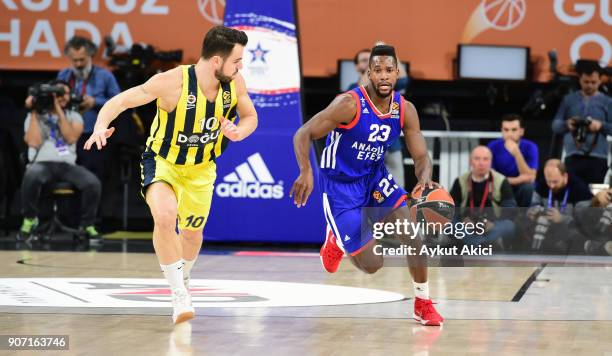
<point x="251" y="199"/>
<point x="425" y="32"/>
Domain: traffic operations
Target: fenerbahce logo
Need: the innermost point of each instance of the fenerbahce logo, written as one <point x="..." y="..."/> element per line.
<point x="191" y="139"/>
<point x="251" y="180"/>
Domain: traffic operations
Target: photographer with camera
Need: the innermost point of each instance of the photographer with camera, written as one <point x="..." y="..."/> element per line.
<point x="554" y="206"/>
<point x="597" y="224"/>
<point x="585" y="118"/>
<point x="92" y="87"/>
<point x="480" y="194"/>
<point x="51" y="132"/>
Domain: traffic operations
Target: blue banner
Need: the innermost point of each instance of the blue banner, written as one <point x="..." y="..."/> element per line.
<point x="254" y="177"/>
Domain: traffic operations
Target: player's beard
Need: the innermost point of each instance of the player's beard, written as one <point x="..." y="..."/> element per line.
<point x="381" y="95"/>
<point x="222" y="77"/>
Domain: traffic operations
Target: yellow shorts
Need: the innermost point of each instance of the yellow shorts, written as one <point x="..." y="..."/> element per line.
<point x="193" y="186"/>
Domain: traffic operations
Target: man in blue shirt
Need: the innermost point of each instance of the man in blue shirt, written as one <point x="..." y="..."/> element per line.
<point x="96" y="85"/>
<point x="516" y="158"/>
<point x="586" y="158"/>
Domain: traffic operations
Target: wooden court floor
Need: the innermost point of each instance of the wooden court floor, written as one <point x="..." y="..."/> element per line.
<point x="562" y="310"/>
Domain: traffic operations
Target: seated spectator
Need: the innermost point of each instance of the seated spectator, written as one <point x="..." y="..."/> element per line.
<point x="516" y="158"/>
<point x="555" y="202"/>
<point x="584" y="119"/>
<point x="483" y="187"/>
<point x="51" y="134"/>
<point x="597" y="224"/>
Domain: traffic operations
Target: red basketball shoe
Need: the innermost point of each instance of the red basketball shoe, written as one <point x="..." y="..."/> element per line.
<point x="425" y="313"/>
<point x="331" y="254"/>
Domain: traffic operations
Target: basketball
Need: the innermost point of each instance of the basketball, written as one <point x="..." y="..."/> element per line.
<point x="432" y="206"/>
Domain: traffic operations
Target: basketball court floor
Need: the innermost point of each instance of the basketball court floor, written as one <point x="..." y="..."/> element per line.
<point x="282" y="303"/>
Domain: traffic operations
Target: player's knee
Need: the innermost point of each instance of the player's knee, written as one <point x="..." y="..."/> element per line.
<point x="371" y="268"/>
<point x="192" y="235"/>
<point x="164" y="219"/>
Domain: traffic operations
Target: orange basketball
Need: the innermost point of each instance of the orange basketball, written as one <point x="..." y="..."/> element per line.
<point x="432" y="206"/>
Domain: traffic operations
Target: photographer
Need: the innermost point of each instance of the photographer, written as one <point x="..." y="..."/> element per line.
<point x="92" y="86"/>
<point x="597" y="224"/>
<point x="585" y="118"/>
<point x="51" y="132"/>
<point x="554" y="206"/>
<point x="480" y="194"/>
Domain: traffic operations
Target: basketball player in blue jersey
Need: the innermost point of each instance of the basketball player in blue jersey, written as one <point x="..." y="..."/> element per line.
<point x="196" y="110"/>
<point x="361" y="124"/>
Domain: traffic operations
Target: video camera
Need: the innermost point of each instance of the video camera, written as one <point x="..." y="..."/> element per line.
<point x="135" y="65"/>
<point x="42" y="94"/>
<point x="560" y="85"/>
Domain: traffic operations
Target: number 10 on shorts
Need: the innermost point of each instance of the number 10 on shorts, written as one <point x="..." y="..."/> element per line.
<point x="194" y="221"/>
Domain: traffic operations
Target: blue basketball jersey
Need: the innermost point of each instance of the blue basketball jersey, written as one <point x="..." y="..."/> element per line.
<point x="356" y="149"/>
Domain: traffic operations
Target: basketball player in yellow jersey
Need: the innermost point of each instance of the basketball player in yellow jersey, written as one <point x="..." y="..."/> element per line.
<point x="196" y="110"/>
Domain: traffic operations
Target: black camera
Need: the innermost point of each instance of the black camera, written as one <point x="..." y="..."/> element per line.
<point x="134" y="65"/>
<point x="75" y="101"/>
<point x="42" y="94"/>
<point x="582" y="129"/>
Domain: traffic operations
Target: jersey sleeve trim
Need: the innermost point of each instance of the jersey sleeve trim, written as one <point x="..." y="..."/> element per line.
<point x="355" y="120"/>
<point x="402" y="111"/>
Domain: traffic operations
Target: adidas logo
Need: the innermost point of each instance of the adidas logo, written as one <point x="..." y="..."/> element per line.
<point x="366" y="111"/>
<point x="252" y="180"/>
<point x="346" y="238"/>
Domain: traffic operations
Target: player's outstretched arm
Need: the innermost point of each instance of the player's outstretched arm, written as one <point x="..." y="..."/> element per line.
<point x="246" y="111"/>
<point x="157" y="86"/>
<point x="341" y="111"/>
<point x="415" y="142"/>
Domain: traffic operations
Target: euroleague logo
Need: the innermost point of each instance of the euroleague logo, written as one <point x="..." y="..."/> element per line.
<point x="212" y="10"/>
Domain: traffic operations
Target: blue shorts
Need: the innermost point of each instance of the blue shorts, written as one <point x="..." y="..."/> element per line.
<point x="344" y="203"/>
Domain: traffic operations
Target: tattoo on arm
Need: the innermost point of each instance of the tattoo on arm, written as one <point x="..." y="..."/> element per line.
<point x="142" y="88"/>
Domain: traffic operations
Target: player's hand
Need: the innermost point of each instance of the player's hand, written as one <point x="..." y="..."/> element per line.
<point x="230" y="130"/>
<point x="98" y="137"/>
<point x="425" y="184"/>
<point x="302" y="187"/>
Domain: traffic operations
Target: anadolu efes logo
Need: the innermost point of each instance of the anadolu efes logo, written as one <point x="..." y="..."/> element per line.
<point x="251" y="180"/>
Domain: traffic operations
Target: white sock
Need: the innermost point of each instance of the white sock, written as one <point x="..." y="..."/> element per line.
<point x="421" y="290"/>
<point x="188" y="266"/>
<point x="174" y="274"/>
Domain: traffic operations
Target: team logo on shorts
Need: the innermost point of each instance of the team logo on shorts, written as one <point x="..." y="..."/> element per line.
<point x="378" y="197"/>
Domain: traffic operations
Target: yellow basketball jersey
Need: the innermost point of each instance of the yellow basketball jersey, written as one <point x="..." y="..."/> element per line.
<point x="191" y="134"/>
